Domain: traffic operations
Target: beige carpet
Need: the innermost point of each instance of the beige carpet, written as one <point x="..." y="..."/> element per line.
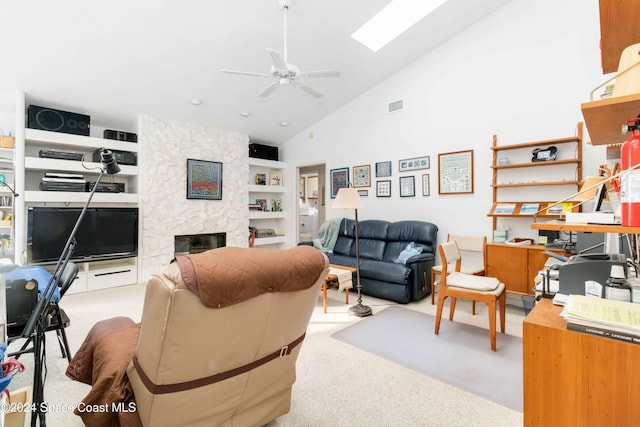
<point x="337" y="384"/>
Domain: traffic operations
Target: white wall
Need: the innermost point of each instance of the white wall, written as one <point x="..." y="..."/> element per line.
<point x="165" y="210"/>
<point x="521" y="74"/>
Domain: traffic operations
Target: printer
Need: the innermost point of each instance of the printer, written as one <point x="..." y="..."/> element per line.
<point x="581" y="268"/>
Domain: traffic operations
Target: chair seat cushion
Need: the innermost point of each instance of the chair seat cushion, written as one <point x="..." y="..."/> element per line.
<point x="463" y="269"/>
<point x="471" y="282"/>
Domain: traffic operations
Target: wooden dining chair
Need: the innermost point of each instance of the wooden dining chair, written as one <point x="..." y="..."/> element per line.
<point x="455" y="284"/>
<point x="473" y="246"/>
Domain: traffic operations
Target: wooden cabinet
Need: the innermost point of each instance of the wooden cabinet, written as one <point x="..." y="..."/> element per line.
<point x="516" y="266"/>
<point x="618" y="29"/>
<point x="576" y="379"/>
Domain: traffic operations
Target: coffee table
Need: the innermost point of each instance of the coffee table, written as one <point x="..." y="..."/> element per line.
<point x="332" y="281"/>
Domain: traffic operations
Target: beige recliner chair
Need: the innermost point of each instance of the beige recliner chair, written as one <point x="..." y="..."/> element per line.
<point x="220" y="336"/>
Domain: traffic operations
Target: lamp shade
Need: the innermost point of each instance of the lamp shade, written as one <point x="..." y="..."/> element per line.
<point x="347" y="198"/>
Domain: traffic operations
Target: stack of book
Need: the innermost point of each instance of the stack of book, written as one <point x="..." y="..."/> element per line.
<point x="603" y="317"/>
<point x="255" y="207"/>
<point x="58" y="181"/>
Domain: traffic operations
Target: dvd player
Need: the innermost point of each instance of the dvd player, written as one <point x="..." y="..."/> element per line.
<point x="106" y="187"/>
<point x="122" y="157"/>
<point x="62" y="186"/>
<point x="64" y="155"/>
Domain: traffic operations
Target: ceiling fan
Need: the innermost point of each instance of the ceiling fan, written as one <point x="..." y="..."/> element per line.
<point x="284" y="72"/>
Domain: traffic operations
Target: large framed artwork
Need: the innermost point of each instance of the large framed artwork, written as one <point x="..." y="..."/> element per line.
<point x="204" y="180"/>
<point x="455" y="172"/>
<point x="339" y="179"/>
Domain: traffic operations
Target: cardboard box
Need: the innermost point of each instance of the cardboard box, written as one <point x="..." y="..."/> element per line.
<point x="17" y="419"/>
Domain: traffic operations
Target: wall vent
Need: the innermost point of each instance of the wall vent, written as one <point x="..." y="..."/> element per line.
<point x="395" y="106"/>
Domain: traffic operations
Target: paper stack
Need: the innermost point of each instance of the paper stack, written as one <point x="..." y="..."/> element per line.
<point x="606" y="318"/>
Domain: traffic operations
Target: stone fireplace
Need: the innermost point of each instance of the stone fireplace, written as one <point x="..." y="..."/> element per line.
<point x="196" y="243"/>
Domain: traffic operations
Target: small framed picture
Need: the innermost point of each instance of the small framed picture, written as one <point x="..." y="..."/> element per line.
<point x="339" y="179"/>
<point x="383" y="188"/>
<point x="363" y="193"/>
<point x="362" y="176"/>
<point x="383" y="169"/>
<point x="204" y="180"/>
<point x="425" y="184"/>
<point x="261" y="179"/>
<point x="407" y="186"/>
<point x="414" y="164"/>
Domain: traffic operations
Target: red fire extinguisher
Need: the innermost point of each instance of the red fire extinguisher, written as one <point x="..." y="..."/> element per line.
<point x="630" y="188"/>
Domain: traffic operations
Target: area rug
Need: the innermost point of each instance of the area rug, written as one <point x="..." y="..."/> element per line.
<point x="461" y="355"/>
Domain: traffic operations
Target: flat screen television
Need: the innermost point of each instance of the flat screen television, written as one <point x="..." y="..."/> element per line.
<point x="104" y="233"/>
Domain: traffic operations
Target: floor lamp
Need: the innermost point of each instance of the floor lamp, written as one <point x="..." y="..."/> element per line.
<point x="348" y="198"/>
<point x="36" y="325"/>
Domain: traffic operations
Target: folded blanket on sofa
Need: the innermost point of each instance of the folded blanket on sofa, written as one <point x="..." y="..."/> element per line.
<point x="328" y="235"/>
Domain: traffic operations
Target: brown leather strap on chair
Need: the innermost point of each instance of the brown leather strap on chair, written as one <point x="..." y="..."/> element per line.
<point x="200" y="382"/>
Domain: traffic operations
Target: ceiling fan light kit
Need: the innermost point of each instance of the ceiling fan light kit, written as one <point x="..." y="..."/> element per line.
<point x="283" y="72"/>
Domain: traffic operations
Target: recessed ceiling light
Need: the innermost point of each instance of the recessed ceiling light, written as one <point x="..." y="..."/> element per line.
<point x="284" y="124"/>
<point x="397" y="17"/>
<point x="196" y="101"/>
<point x="245" y="114"/>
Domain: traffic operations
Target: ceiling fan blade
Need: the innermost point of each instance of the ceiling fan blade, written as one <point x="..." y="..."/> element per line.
<point x="246" y="73"/>
<point x="308" y="89"/>
<point x="277" y="59"/>
<point x="320" y="73"/>
<point x="267" y="90"/>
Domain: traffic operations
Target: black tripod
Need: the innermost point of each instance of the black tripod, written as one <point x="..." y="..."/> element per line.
<point x="37" y="324"/>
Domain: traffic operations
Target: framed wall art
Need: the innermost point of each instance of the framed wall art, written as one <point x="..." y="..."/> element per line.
<point x="425" y="184"/>
<point x="204" y="180"/>
<point x="455" y="172"/>
<point x="383" y="169"/>
<point x="362" y="176"/>
<point x="339" y="179"/>
<point x="407" y="186"/>
<point x="363" y="193"/>
<point x="414" y="164"/>
<point x="383" y="188"/>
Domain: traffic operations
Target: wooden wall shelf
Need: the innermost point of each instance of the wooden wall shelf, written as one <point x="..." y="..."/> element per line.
<point x="604" y="118"/>
<point x="534" y="164"/>
<point x="512" y="209"/>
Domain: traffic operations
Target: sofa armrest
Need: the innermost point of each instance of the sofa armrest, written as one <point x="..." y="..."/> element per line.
<point x="420" y="266"/>
<point x="420" y="258"/>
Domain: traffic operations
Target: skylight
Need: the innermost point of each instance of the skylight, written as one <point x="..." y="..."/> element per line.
<point x="397" y="17"/>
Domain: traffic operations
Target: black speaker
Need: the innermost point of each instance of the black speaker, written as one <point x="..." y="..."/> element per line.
<point x="57" y="120"/>
<point x="120" y="135"/>
<point x="260" y="151"/>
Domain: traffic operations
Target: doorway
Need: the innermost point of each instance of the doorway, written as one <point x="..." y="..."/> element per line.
<point x="311" y="201"/>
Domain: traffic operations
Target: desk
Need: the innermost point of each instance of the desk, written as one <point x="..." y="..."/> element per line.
<point x="576" y="379"/>
<point x="332" y="280"/>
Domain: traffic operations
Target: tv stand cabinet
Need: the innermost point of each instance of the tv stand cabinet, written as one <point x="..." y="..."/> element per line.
<point x="96" y="275"/>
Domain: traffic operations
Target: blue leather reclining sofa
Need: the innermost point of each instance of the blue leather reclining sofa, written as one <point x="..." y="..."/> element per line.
<point x="380" y="243"/>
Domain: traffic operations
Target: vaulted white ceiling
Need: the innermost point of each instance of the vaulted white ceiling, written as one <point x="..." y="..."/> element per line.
<point x="117" y="59"/>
